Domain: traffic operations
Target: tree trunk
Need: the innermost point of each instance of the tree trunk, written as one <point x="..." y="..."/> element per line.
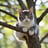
<point x="33" y="42"/>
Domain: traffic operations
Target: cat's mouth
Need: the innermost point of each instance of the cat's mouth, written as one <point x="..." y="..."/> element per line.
<point x="26" y="22"/>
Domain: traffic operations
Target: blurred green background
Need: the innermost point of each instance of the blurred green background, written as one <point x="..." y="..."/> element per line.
<point x="6" y="35"/>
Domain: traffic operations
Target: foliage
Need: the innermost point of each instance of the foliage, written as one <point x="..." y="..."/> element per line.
<point x="7" y="39"/>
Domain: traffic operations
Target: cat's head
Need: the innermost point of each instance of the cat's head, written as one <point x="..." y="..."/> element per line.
<point x="25" y="15"/>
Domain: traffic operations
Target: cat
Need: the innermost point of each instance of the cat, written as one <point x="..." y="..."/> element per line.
<point x="27" y="21"/>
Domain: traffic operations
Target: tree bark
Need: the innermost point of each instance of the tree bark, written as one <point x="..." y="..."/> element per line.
<point x="22" y="4"/>
<point x="33" y="41"/>
<point x="42" y="16"/>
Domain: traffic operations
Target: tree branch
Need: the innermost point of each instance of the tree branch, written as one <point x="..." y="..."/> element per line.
<point x="29" y="3"/>
<point x="11" y="6"/>
<point x="4" y="5"/>
<point x="9" y="14"/>
<point x="22" y="4"/>
<point x="46" y="35"/>
<point x="33" y="41"/>
<point x="18" y="29"/>
<point x="42" y="15"/>
<point x="9" y="3"/>
<point x="34" y="10"/>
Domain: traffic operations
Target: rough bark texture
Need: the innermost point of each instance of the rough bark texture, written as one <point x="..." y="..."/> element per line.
<point x="22" y="4"/>
<point x="29" y="3"/>
<point x="33" y="41"/>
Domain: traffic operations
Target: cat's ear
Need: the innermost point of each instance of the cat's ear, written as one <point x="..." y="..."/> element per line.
<point x="31" y="9"/>
<point x="20" y="11"/>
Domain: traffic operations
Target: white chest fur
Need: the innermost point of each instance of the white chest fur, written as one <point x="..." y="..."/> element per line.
<point x="27" y="25"/>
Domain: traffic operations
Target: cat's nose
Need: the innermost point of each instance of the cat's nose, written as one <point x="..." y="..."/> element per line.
<point x="26" y="20"/>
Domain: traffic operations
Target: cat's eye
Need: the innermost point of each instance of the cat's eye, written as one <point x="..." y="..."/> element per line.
<point x="30" y="17"/>
<point x="23" y="17"/>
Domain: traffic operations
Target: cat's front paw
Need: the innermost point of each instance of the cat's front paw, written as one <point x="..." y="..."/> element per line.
<point x="31" y="33"/>
<point x="24" y="29"/>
